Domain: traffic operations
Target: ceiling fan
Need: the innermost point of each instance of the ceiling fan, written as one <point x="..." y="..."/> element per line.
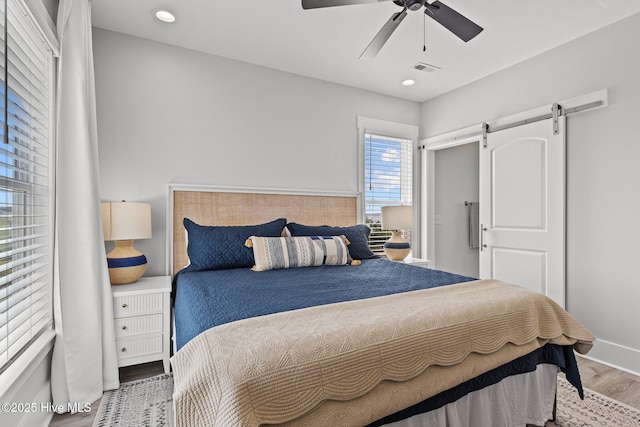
<point x="462" y="27"/>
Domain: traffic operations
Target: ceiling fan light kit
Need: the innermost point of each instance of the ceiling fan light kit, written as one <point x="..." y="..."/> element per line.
<point x="462" y="27"/>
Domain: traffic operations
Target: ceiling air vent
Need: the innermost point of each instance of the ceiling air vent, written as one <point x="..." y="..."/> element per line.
<point x="427" y="68"/>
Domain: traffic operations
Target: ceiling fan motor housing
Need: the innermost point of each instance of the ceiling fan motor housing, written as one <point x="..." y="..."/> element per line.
<point x="413" y="4"/>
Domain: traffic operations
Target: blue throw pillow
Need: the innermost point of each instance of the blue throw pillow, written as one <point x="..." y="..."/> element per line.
<point x="219" y="247"/>
<point x="358" y="236"/>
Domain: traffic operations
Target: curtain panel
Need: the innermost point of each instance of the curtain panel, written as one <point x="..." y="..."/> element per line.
<point x="84" y="360"/>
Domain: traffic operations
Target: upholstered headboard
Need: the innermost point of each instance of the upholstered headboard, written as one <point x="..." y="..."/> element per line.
<point x="233" y="206"/>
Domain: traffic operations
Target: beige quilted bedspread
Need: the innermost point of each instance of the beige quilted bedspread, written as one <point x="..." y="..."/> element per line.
<point x="351" y="363"/>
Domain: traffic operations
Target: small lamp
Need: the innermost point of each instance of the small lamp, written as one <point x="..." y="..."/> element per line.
<point x="123" y="222"/>
<point x="397" y="218"/>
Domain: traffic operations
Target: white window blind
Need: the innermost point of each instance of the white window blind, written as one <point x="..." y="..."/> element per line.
<point x="388" y="181"/>
<point x="25" y="182"/>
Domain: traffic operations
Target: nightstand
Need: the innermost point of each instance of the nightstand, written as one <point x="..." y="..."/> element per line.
<point x="141" y="313"/>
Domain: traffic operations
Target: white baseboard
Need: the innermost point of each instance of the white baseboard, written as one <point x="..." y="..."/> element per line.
<point x="615" y="355"/>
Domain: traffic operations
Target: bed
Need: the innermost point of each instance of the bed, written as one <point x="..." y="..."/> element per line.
<point x="379" y="343"/>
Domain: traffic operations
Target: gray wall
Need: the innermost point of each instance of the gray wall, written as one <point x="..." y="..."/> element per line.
<point x="167" y="114"/>
<point x="603" y="289"/>
<point x="456" y="181"/>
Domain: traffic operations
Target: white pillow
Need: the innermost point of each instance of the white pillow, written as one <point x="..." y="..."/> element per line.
<point x="271" y="253"/>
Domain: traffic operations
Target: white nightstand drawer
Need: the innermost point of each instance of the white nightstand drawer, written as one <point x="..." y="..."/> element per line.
<point x="139" y="346"/>
<point x="135" y="305"/>
<point x="141" y="319"/>
<point x="128" y="326"/>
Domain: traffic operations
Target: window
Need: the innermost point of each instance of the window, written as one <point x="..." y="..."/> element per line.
<point x="385" y="168"/>
<point x="26" y="72"/>
<point x="388" y="180"/>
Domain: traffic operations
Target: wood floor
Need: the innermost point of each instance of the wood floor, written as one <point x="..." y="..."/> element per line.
<point x="611" y="382"/>
<point x="603" y="379"/>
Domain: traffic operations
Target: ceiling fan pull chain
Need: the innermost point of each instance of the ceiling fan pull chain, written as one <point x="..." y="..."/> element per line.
<point x="424" y="33"/>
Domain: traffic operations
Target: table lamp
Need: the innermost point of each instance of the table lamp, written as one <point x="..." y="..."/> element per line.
<point x="396" y="219"/>
<point x="123" y="222"/>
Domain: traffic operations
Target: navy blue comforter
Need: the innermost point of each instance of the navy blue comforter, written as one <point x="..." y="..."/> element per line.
<point x="205" y="299"/>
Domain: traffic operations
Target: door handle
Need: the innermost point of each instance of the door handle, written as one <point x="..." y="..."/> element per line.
<point x="482" y="231"/>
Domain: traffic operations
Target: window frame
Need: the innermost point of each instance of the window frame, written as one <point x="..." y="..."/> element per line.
<point x="32" y="355"/>
<point x="391" y="130"/>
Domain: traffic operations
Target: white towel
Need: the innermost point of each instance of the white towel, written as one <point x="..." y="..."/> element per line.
<point x="474" y="225"/>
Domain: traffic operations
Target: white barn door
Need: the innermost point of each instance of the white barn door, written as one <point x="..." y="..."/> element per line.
<point x="522" y="207"/>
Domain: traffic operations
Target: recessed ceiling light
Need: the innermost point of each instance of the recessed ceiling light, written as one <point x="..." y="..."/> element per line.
<point x="165" y="15"/>
<point x="408" y="82"/>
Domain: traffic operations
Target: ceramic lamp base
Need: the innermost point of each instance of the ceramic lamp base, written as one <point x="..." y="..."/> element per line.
<point x="396" y="248"/>
<point x="126" y="264"/>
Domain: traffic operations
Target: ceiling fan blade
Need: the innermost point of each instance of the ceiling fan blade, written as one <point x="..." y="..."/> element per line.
<point x="452" y="20"/>
<point x="383" y="35"/>
<point x="315" y="4"/>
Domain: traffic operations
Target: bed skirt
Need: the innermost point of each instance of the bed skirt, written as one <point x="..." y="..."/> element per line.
<point x="515" y="401"/>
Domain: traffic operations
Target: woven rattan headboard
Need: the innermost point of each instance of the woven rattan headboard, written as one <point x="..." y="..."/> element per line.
<point x="207" y="206"/>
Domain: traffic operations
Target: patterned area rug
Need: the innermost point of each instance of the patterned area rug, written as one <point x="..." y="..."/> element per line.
<point x="595" y="410"/>
<point x="147" y="403"/>
<point x="142" y="403"/>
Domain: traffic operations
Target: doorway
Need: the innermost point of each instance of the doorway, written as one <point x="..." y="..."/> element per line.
<point x="456" y="182"/>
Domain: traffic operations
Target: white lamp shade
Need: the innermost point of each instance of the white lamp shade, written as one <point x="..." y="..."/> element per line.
<point x="397" y="217"/>
<point x="126" y="220"/>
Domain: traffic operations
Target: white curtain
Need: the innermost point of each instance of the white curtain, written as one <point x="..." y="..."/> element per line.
<point x="84" y="357"/>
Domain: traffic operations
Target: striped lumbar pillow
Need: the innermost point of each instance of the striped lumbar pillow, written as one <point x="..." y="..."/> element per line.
<point x="271" y="253"/>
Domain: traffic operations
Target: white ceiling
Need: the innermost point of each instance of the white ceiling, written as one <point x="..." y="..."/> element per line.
<point x="326" y="43"/>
